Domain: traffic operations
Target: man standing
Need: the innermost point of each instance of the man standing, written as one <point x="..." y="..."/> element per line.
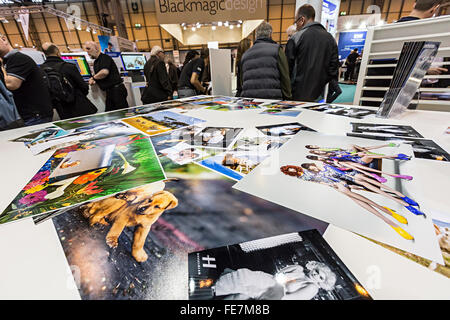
<point x="422" y="9"/>
<point x="314" y="58"/>
<point x="189" y="83"/>
<point x="25" y="80"/>
<point x="290" y="44"/>
<point x="265" y="71"/>
<point x="158" y="84"/>
<point x="107" y="77"/>
<point x="80" y="104"/>
<point x="350" y="62"/>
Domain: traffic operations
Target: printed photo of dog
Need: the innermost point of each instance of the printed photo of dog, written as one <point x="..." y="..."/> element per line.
<point x="140" y="208"/>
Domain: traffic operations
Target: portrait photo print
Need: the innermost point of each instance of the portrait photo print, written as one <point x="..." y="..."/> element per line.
<point x="294" y="266"/>
<point x="385" y="129"/>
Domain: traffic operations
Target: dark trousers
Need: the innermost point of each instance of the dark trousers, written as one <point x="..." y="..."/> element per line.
<point x="349" y="73"/>
<point x="116" y="98"/>
<point x="37" y="120"/>
<point x="333" y="91"/>
<point x="186" y="92"/>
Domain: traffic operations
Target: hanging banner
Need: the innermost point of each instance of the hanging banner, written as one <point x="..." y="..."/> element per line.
<point x="24" y="19"/>
<point x="349" y="40"/>
<point x="192" y="11"/>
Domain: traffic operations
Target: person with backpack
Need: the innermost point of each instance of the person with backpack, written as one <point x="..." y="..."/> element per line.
<point x="9" y="116"/>
<point x="158" y="83"/>
<point x="26" y="82"/>
<point x="67" y="88"/>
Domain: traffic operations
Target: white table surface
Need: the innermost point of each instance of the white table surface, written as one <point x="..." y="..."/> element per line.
<point x="34" y="265"/>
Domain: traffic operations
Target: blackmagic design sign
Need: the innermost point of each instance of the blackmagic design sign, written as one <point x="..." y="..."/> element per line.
<point x="191" y="11"/>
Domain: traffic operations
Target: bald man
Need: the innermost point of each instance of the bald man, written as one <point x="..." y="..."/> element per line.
<point x="107" y="77"/>
<point x="80" y="106"/>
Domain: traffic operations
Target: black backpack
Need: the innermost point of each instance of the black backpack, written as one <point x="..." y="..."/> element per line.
<point x="60" y="88"/>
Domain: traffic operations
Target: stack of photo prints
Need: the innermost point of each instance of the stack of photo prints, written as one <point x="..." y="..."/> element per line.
<point x="175" y="200"/>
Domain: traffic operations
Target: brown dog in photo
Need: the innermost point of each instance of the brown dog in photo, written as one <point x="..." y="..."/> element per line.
<point x="135" y="208"/>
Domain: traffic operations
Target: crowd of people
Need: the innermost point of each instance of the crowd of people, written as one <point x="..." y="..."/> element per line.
<point x="300" y="71"/>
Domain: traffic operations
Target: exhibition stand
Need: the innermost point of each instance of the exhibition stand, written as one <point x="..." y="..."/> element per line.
<point x="381" y="51"/>
<point x="70" y="259"/>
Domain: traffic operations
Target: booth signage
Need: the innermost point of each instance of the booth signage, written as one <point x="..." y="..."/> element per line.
<point x="192" y="11"/>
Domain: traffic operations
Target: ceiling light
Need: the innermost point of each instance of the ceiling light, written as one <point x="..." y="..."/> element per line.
<point x="88" y="29"/>
<point x="226" y="24"/>
<point x="231" y="26"/>
<point x="184" y="28"/>
<point x="239" y="25"/>
<point x="348" y="25"/>
<point x="94" y="31"/>
<point x="240" y="21"/>
<point x="193" y="28"/>
<point x="213" y="27"/>
<point x="219" y="23"/>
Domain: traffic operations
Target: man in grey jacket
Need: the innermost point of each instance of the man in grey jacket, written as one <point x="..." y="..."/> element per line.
<point x="313" y="57"/>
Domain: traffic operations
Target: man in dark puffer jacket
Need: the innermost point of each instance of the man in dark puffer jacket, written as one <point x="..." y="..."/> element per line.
<point x="265" y="71"/>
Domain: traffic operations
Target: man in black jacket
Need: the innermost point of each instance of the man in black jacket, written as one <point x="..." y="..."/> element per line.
<point x="25" y="80"/>
<point x="81" y="105"/>
<point x="313" y="58"/>
<point x="158" y="84"/>
<point x="350" y="62"/>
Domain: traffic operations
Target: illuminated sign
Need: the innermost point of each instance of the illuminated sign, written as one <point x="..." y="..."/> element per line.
<point x="191" y="11"/>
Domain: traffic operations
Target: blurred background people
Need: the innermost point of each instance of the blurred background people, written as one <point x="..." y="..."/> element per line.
<point x="350" y="62"/>
<point x="314" y="58"/>
<point x="265" y="70"/>
<point x="25" y="80"/>
<point x="158" y="84"/>
<point x="172" y="71"/>
<point x="243" y="46"/>
<point x="189" y="83"/>
<point x="77" y="104"/>
<point x="422" y="9"/>
<point x="107" y="77"/>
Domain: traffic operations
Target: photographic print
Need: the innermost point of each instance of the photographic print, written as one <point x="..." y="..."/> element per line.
<point x="254" y="140"/>
<point x="295" y="266"/>
<point x="283" y="129"/>
<point x="423" y="148"/>
<point x="172" y="138"/>
<point x="83" y="172"/>
<point x="81" y="135"/>
<point x="385" y="129"/>
<point x="368" y="188"/>
<point x="291" y="103"/>
<point x="357" y="113"/>
<point x="279" y="106"/>
<point x="40" y="134"/>
<point x="183" y="153"/>
<point x="443" y="236"/>
<point x="216" y="137"/>
<point x="94" y="119"/>
<point x="234" y="164"/>
<point x="208" y="213"/>
<point x="161" y="121"/>
<point x="281" y="112"/>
